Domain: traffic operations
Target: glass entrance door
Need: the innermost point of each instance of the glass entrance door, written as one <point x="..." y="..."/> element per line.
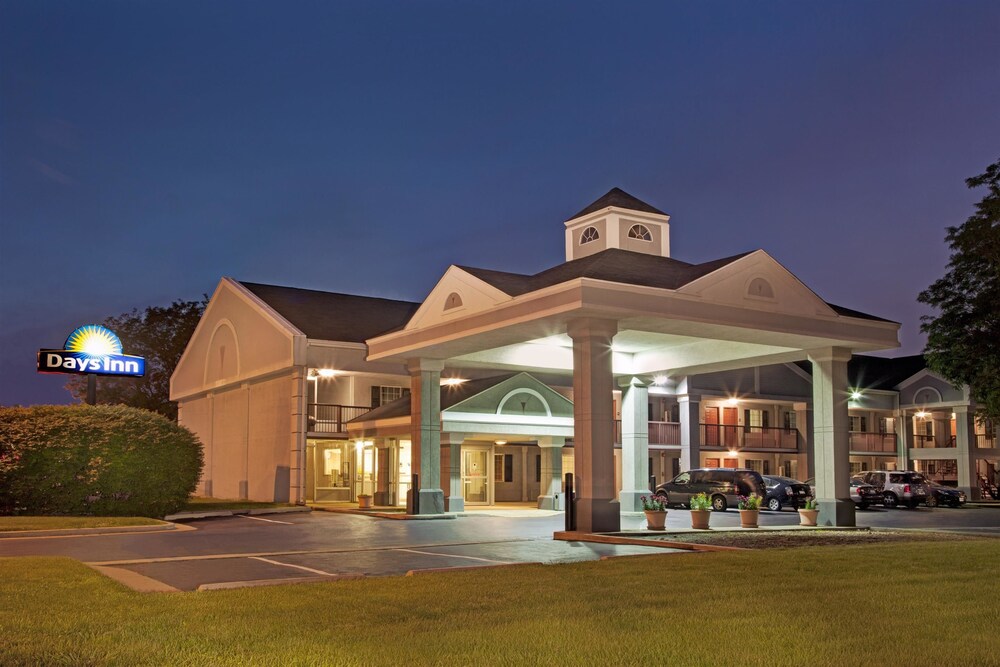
<point x="475" y="475"/>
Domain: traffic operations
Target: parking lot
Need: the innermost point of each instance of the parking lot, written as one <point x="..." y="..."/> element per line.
<point x="283" y="548"/>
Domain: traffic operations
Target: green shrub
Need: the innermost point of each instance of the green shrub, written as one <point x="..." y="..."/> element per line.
<point x="95" y="460"/>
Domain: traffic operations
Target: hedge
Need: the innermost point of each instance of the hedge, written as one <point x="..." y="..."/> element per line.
<point x="105" y="460"/>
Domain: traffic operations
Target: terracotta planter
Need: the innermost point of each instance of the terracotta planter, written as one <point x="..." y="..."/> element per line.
<point x="364" y="502"/>
<point x="700" y="518"/>
<point x="656" y="520"/>
<point x="748" y="518"/>
<point x="808" y="517"/>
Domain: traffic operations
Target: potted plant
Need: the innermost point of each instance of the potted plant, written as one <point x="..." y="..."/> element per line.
<point x="655" y="508"/>
<point x="701" y="511"/>
<point x="808" y="513"/>
<point x="364" y="501"/>
<point x="749" y="507"/>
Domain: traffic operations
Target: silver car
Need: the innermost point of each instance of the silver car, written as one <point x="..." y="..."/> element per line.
<point x="898" y="487"/>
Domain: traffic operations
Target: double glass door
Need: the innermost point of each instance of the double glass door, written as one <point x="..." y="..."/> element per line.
<point x="476" y="475"/>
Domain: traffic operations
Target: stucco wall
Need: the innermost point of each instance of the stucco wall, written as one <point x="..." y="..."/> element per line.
<point x="196" y="415"/>
<point x="270" y="439"/>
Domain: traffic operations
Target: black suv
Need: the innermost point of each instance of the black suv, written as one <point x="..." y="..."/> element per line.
<point x="723" y="486"/>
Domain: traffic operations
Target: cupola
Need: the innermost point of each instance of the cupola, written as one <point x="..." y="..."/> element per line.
<point x="618" y="220"/>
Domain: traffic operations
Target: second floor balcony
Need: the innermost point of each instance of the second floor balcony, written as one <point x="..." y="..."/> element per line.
<point x="872" y="442"/>
<point x="726" y="436"/>
<point x="331" y="418"/>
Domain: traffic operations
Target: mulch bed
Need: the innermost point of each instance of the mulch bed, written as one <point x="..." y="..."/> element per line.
<point x="811" y="538"/>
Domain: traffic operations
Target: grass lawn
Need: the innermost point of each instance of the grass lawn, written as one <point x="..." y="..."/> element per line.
<point x="211" y="504"/>
<point x="913" y="603"/>
<point x="63" y="522"/>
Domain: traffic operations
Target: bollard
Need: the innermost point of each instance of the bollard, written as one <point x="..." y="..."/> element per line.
<point x="570" y="503"/>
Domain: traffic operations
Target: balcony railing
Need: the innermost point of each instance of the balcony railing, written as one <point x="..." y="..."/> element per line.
<point x="327" y="418"/>
<point x="986" y="440"/>
<point x="749" y="437"/>
<point x="660" y="433"/>
<point x="928" y="442"/>
<point x="872" y="442"/>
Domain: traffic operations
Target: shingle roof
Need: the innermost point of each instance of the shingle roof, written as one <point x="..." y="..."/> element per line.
<point x="621" y="199"/>
<point x="450" y="395"/>
<point x="332" y="316"/>
<point x="865" y="372"/>
<point x="613" y="265"/>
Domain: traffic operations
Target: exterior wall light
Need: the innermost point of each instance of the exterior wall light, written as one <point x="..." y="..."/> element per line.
<point x="855" y="395"/>
<point x="732" y="401"/>
<point x="921" y="414"/>
<point x="326" y="372"/>
<point x="500" y="442"/>
<point x="660" y="380"/>
<point x="452" y="382"/>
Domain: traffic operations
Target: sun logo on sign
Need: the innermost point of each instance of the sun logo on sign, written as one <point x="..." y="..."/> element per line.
<point x="94" y="340"/>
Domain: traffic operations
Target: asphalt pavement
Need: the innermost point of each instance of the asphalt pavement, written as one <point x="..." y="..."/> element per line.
<point x="317" y="546"/>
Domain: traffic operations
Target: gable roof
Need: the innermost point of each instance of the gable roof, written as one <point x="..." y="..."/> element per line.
<point x="450" y="396"/>
<point x="621" y="266"/>
<point x="332" y="316"/>
<point x="621" y="199"/>
<point x="612" y="265"/>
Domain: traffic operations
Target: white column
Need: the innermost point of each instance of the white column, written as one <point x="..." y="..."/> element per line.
<point x="455" y="502"/>
<point x="425" y="432"/>
<point x="635" y="444"/>
<point x="551" y="489"/>
<point x="830" y="436"/>
<point x="593" y="425"/>
<point x="904" y="438"/>
<point x="297" y="459"/>
<point x="689" y="406"/>
<point x="965" y="450"/>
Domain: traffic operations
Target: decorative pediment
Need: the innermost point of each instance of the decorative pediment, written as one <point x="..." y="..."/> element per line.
<point x="516" y="397"/>
<point x="457" y="294"/>
<point x="758" y="282"/>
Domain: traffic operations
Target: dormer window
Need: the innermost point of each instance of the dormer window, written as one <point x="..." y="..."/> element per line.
<point x="589" y="234"/>
<point x="454" y="300"/>
<point x="640" y="232"/>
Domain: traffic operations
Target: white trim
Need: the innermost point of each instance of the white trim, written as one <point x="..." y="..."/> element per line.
<point x="940" y="398"/>
<point x="505" y="419"/>
<point x="524" y="390"/>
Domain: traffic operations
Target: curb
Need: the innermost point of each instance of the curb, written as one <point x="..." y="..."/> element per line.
<point x="604" y="538"/>
<point x="214" y="514"/>
<point x="395" y="516"/>
<point x="85" y="532"/>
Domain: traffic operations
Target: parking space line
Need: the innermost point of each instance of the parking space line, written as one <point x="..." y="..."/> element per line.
<point x="260" y="518"/>
<point x="297" y="567"/>
<point x="431" y="553"/>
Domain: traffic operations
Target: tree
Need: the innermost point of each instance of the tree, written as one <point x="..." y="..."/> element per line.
<point x="963" y="340"/>
<point x="158" y="334"/>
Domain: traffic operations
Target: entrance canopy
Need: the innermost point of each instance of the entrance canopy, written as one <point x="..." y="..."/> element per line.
<point x="673" y="318"/>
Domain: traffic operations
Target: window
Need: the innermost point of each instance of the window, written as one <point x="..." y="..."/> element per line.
<point x="754" y="419"/>
<point x="791" y="421"/>
<point x="758" y="465"/>
<point x="589" y="234"/>
<point x="639" y="232"/>
<point x="886" y="425"/>
<point x="503" y="468"/>
<point x="859" y="424"/>
<point x="382" y="394"/>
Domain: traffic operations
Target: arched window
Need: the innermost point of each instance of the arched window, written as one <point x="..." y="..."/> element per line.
<point x="640" y="232"/>
<point x="589" y="234"/>
<point x="760" y="288"/>
<point x="454" y="300"/>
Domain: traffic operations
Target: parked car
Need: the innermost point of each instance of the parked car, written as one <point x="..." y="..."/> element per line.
<point x="723" y="486"/>
<point x="898" y="487"/>
<point x="944" y="495"/>
<point x="864" y="495"/>
<point x="783" y="491"/>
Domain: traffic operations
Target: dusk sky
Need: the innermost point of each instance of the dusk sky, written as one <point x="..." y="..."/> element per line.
<point x="149" y="148"/>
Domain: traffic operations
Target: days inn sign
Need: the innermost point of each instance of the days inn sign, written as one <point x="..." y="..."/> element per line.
<point x="91" y="349"/>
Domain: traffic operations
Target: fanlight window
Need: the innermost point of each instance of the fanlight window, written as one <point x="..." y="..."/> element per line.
<point x="639" y="232"/>
<point x="589" y="234"/>
<point x="454" y="300"/>
<point x="760" y="288"/>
